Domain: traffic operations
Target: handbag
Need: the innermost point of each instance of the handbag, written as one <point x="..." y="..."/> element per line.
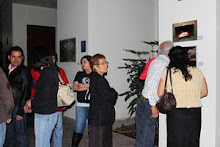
<point x="65" y="94"/>
<point x="168" y="101"/>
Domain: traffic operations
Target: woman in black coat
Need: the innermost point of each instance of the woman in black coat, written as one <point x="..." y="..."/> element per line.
<point x="103" y="99"/>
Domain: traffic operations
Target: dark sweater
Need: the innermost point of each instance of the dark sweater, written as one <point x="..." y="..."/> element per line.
<point x="45" y="99"/>
<point x="103" y="99"/>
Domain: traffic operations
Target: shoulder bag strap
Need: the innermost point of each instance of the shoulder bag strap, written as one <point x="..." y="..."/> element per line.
<point x="60" y="79"/>
<point x="171" y="81"/>
<point x="165" y="88"/>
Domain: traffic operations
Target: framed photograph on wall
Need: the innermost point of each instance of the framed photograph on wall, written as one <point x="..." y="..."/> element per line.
<point x="68" y="50"/>
<point x="191" y="50"/>
<point x="185" y="31"/>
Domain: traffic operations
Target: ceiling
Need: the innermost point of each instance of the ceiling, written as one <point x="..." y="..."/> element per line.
<point x="41" y="3"/>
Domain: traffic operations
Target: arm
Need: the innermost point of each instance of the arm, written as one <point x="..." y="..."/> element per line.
<point x="204" y="89"/>
<point x="106" y="91"/>
<point x="26" y="90"/>
<point x="79" y="86"/>
<point x="161" y="86"/>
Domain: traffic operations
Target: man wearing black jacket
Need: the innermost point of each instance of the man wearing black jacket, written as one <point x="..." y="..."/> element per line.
<point x="20" y="80"/>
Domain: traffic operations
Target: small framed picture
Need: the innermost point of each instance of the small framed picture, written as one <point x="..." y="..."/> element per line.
<point x="83" y="46"/>
<point x="68" y="50"/>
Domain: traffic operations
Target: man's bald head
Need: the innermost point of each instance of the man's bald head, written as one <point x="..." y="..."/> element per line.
<point x="165" y="47"/>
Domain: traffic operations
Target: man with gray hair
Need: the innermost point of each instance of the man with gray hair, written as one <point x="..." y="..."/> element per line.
<point x="146" y="112"/>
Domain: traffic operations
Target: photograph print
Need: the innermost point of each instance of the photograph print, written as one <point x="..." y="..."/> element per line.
<point x="68" y="50"/>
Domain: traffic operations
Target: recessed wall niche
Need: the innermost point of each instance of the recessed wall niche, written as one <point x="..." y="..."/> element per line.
<point x="185" y="31"/>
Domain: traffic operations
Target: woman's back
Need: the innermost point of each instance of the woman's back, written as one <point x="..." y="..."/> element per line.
<point x="187" y="93"/>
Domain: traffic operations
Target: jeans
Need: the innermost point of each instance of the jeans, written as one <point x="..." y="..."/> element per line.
<point x="58" y="131"/>
<point x="43" y="128"/>
<point x="16" y="133"/>
<point x="145" y="124"/>
<point x="2" y="134"/>
<point x="81" y="118"/>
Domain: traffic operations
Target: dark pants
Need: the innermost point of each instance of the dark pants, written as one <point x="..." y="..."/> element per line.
<point x="100" y="136"/>
<point x="145" y="124"/>
<point x="183" y="127"/>
<point x="16" y="134"/>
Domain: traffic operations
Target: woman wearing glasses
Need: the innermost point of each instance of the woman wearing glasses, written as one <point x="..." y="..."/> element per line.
<point x="103" y="99"/>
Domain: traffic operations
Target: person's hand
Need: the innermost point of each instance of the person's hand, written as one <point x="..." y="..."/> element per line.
<point x="28" y="103"/>
<point x="155" y="112"/>
<point x="18" y="117"/>
<point x="8" y="121"/>
<point x="64" y="108"/>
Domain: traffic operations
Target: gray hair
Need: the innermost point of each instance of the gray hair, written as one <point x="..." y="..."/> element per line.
<point x="165" y="49"/>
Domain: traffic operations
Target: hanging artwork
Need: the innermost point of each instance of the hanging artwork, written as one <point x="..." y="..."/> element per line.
<point x="68" y="50"/>
<point x="185" y="31"/>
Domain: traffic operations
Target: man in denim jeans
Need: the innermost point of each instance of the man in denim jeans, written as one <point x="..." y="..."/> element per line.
<point x="146" y="112"/>
<point x="19" y="78"/>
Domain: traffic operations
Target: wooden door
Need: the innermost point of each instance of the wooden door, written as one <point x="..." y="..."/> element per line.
<point x="39" y="36"/>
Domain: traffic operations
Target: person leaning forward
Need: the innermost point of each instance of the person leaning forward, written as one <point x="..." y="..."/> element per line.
<point x="146" y="112"/>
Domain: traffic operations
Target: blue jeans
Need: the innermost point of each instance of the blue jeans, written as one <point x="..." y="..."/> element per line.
<point x="3" y="133"/>
<point x="81" y="118"/>
<point x="58" y="131"/>
<point x="145" y="124"/>
<point x="16" y="133"/>
<point x="43" y="128"/>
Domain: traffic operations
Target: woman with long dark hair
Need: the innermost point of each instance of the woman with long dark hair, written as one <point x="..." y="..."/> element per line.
<point x="189" y="86"/>
<point x="81" y="85"/>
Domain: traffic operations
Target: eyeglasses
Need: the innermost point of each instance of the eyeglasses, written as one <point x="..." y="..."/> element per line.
<point x="103" y="63"/>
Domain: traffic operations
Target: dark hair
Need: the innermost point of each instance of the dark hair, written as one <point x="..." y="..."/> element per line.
<point x="53" y="53"/>
<point x="179" y="61"/>
<point x="16" y="48"/>
<point x="95" y="60"/>
<point x="41" y="57"/>
<point x="88" y="57"/>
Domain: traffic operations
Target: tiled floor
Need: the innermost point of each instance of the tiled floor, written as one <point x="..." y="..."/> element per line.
<point x="118" y="139"/>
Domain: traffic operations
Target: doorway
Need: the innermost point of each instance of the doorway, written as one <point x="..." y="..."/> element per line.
<point x="39" y="36"/>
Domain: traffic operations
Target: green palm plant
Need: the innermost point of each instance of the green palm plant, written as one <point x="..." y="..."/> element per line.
<point x="134" y="68"/>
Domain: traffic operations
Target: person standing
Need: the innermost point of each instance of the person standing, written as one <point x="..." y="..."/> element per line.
<point x="101" y="110"/>
<point x="44" y="102"/>
<point x="57" y="136"/>
<point x="189" y="86"/>
<point x="146" y="112"/>
<point x="6" y="105"/>
<point x="19" y="78"/>
<point x="81" y="86"/>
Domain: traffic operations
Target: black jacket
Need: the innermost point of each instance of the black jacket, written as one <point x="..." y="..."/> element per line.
<point x="20" y="80"/>
<point x="45" y="98"/>
<point x="102" y="101"/>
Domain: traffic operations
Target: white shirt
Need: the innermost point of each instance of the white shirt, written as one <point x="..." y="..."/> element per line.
<point x="151" y="84"/>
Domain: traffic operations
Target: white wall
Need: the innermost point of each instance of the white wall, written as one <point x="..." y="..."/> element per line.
<point x="116" y="25"/>
<point x="72" y="21"/>
<point x="218" y="77"/>
<point x="174" y="11"/>
<point x="23" y="15"/>
<point x="110" y="26"/>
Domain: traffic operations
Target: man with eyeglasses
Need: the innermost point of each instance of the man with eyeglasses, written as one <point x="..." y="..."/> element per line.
<point x="19" y="78"/>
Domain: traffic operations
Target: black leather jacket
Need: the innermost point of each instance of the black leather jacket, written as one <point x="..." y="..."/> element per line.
<point x="20" y="80"/>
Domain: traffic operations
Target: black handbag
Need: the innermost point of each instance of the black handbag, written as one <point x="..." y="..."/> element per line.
<point x="168" y="101"/>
